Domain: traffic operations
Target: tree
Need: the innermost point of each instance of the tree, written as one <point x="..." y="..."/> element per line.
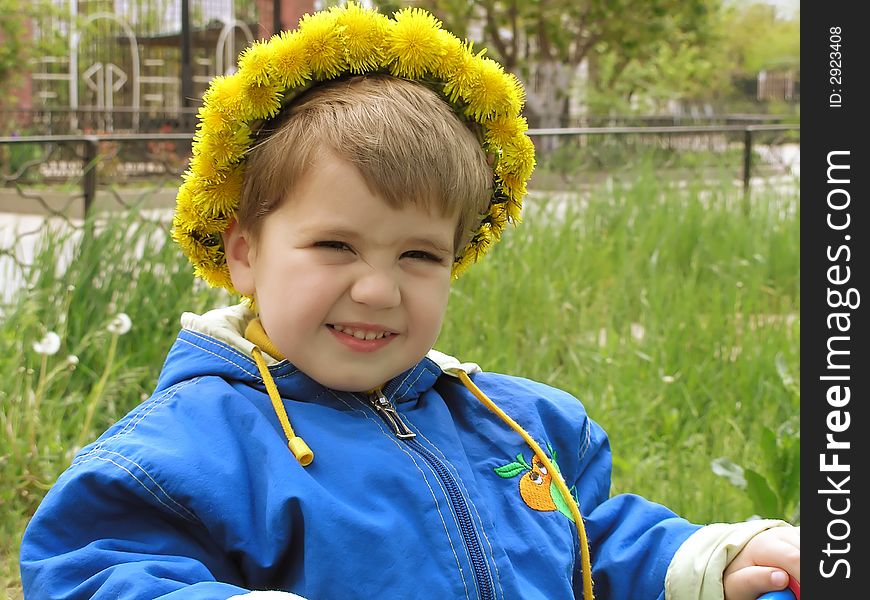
<point x="757" y="36"/>
<point x="544" y="42"/>
<point x="21" y="41"/>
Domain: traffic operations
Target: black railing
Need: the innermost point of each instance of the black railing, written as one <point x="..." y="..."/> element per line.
<point x="725" y="134"/>
<point x="90" y="163"/>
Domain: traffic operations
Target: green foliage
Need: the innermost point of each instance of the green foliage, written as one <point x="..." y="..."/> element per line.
<point x="15" y="158"/>
<point x="527" y="37"/>
<point x="773" y="482"/>
<point x="757" y="37"/>
<point x="680" y="67"/>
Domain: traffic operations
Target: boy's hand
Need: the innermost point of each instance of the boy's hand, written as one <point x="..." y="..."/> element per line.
<point x="764" y="564"/>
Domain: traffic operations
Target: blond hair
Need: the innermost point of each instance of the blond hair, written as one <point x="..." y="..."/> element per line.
<point x="409" y="146"/>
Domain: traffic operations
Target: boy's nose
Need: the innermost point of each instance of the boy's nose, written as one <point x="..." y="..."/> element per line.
<point x="376" y="289"/>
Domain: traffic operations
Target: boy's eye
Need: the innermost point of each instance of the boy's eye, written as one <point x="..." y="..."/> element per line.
<point x="332" y="245"/>
<point x="423" y="255"/>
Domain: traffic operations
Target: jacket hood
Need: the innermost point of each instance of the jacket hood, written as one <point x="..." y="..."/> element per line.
<point x="214" y="344"/>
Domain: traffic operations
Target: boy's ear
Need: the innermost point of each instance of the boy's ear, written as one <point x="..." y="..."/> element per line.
<point x="238" y="249"/>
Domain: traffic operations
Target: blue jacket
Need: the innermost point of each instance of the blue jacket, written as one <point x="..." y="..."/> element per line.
<point x="195" y="495"/>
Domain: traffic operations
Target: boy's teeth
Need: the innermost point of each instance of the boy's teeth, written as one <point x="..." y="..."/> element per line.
<point x="359" y="333"/>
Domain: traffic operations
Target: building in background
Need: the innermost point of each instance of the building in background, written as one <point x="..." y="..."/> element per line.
<point x="137" y="65"/>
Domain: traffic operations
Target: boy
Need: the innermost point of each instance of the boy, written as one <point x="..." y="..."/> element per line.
<point x="364" y="192"/>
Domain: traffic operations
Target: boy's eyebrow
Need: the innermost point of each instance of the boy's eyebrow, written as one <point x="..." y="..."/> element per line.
<point x="433" y="244"/>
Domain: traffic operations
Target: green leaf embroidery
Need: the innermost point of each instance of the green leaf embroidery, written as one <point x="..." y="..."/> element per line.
<point x="510" y="470"/>
<point x="522" y="460"/>
<point x="559" y="501"/>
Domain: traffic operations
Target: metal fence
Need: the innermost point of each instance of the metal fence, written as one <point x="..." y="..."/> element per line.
<point x="50" y="174"/>
<point x="569" y="156"/>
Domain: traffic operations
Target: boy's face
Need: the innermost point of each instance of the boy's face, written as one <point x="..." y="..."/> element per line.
<point x="351" y="291"/>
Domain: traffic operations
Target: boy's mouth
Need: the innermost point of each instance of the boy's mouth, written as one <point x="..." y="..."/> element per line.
<point x="361" y="333"/>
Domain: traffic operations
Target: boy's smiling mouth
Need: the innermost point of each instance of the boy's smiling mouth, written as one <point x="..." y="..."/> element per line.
<point x="361" y="337"/>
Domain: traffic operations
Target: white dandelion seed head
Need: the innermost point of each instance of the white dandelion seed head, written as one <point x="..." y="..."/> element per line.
<point x="638" y="332"/>
<point x="72" y="360"/>
<point x="120" y="325"/>
<point x="48" y="345"/>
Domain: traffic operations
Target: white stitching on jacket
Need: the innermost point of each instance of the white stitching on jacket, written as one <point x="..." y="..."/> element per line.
<point x="109" y="460"/>
<point x="147" y="408"/>
<point x="192" y="517"/>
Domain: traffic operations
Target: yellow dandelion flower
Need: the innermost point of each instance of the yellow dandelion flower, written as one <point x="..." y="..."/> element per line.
<point x="519" y="90"/>
<point x="513" y="186"/>
<point x="491" y="92"/>
<point x="323" y="43"/>
<point x="190" y="218"/>
<point x="184" y="197"/>
<point x="211" y="254"/>
<point x="290" y="59"/>
<point x="255" y="62"/>
<point x="263" y="100"/>
<point x="414" y="47"/>
<point x="211" y="119"/>
<point x="192" y="248"/>
<point x="500" y="130"/>
<point x="225" y="148"/>
<point x="453" y="50"/>
<point x="183" y="233"/>
<point x="518" y="157"/>
<point x="205" y="167"/>
<point x="225" y="94"/>
<point x="221" y="199"/>
<point x="364" y="33"/>
<point x="500" y="216"/>
<point x="462" y="73"/>
<point x="220" y="277"/>
<point x="466" y="259"/>
<point x="515" y="209"/>
<point x="481" y="242"/>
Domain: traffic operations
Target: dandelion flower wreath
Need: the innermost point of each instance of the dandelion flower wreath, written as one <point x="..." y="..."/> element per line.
<point x="327" y="45"/>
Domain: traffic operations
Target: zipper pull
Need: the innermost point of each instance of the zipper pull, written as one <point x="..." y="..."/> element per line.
<point x="389" y="414"/>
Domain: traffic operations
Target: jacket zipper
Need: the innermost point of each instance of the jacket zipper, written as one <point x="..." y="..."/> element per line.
<point x="385" y="409"/>
<point x="388" y="413"/>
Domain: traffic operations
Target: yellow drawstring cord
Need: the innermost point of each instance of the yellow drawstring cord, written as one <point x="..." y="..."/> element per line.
<point x="585" y="561"/>
<point x="296" y="444"/>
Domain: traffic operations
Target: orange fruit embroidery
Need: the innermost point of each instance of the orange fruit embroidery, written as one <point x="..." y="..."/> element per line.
<point x="537" y="488"/>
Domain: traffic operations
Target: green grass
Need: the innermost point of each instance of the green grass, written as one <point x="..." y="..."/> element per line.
<point x="674" y="317"/>
<point x="671" y="313"/>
